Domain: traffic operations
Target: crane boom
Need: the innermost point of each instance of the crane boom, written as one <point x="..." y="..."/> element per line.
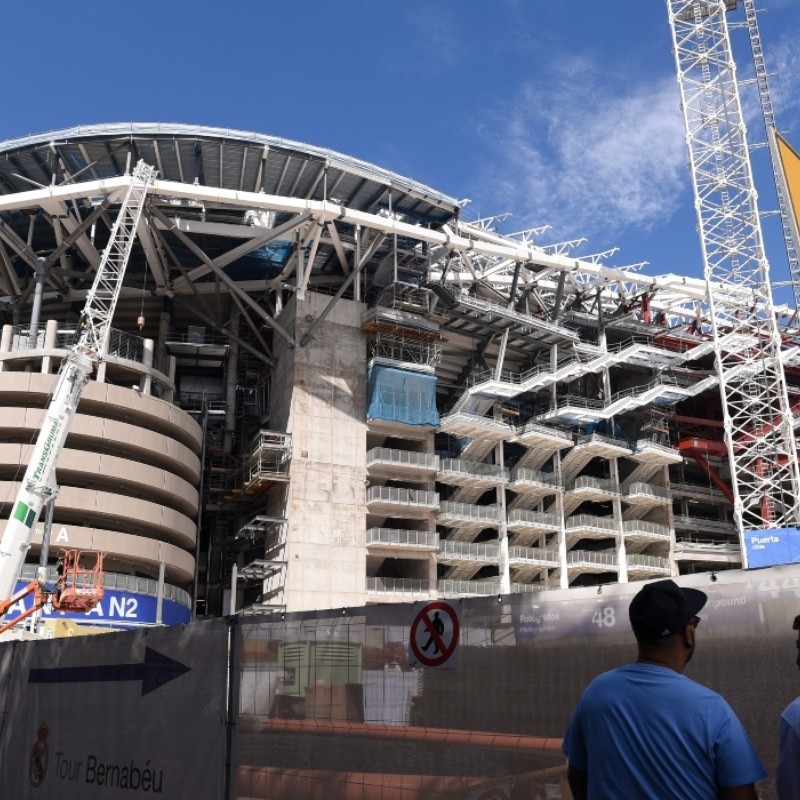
<point x="765" y="474"/>
<point x="39" y="483"/>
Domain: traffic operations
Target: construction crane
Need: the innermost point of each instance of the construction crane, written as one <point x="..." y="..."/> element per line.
<point x="771" y="128"/>
<point x="79" y="587"/>
<point x="757" y="415"/>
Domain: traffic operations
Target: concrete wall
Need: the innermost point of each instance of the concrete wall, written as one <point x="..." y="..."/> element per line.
<point x="319" y="394"/>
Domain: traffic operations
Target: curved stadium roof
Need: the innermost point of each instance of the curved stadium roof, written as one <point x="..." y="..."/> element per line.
<point x="217" y="157"/>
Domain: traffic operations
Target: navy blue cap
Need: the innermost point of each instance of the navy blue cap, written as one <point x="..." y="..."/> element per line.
<point x="663" y="608"/>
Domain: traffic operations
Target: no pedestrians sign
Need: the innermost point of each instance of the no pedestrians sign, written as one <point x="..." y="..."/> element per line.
<point x="433" y="638"/>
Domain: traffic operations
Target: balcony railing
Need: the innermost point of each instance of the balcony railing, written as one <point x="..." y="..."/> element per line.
<point x="462" y="588"/>
<point x="641" y="488"/>
<point x="706" y="545"/>
<point x="470" y="551"/>
<point x="595" y="557"/>
<point x="634" y="526"/>
<point x="538" y="554"/>
<point x="113" y="580"/>
<point x="526" y="475"/>
<point x="527" y="588"/>
<point x="398" y="585"/>
<point x="545" y="430"/>
<point x="588" y="482"/>
<point x="470" y="512"/>
<point x="403" y="538"/>
<point x="401" y="458"/>
<point x="703" y="524"/>
<point x="405" y="497"/>
<point x="538" y="518"/>
<point x="583" y="521"/>
<point x="473" y="469"/>
<point x="649" y="562"/>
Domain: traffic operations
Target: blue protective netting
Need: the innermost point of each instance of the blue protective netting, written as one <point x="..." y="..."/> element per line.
<point x="401" y="395"/>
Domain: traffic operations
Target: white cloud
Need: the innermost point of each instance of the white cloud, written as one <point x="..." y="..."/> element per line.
<point x="576" y="153"/>
<point x="783" y="65"/>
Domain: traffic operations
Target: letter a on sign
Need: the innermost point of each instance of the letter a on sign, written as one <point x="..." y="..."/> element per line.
<point x="433" y="638"/>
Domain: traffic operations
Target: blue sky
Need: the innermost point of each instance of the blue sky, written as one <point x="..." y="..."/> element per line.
<point x="563" y="113"/>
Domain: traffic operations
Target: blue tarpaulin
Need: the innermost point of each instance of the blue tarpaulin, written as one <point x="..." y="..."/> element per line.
<point x="772" y="546"/>
<point x="401" y="395"/>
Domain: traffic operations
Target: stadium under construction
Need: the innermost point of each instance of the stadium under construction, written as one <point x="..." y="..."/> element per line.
<point x="326" y="388"/>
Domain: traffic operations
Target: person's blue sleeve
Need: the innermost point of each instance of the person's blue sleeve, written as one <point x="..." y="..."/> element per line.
<point x="736" y="761"/>
<point x="787" y="773"/>
<point x="574" y="745"/>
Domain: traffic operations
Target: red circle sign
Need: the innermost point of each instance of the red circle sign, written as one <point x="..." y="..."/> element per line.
<point x="445" y="650"/>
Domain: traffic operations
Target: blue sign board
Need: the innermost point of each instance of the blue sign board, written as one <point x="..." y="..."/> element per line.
<point x="118" y="609"/>
<point x="772" y="546"/>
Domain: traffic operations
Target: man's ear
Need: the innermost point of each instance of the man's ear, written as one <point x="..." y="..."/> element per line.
<point x="687" y="637"/>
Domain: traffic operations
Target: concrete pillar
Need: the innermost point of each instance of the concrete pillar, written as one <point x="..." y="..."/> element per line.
<point x="160" y="594"/>
<point x="169" y="394"/>
<point x="562" y="530"/>
<point x="50" y="343"/>
<point x="622" y="550"/>
<point x="5" y="343"/>
<point x="164" y="323"/>
<point x="146" y="381"/>
<point x="505" y="571"/>
<point x="230" y="388"/>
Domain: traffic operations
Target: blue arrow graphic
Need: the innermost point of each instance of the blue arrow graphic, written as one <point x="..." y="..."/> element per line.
<point x="156" y="670"/>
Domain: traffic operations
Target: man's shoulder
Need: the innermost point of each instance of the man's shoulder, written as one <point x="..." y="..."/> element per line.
<point x="792" y="713"/>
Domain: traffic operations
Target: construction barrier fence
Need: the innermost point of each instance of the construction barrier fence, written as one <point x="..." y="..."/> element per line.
<point x="432" y="700"/>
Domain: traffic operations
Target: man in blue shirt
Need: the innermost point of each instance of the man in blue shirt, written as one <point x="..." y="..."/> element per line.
<point x="647" y="731"/>
<point x="787" y="775"/>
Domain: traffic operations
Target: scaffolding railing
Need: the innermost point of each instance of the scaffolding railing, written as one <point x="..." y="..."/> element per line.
<point x="525" y="474"/>
<point x="398" y="585"/>
<point x="598" y="557"/>
<point x="539" y="518"/>
<point x="407" y="497"/>
<point x="650" y="562"/>
<point x="538" y="554"/>
<point x="406" y="458"/>
<point x="642" y="488"/>
<point x="112" y="580"/>
<point x="470" y="551"/>
<point x="402" y="537"/>
<point x="583" y="521"/>
<point x="452" y="588"/>
<point x="643" y="526"/>
<point x="393" y="347"/>
<point x="589" y="482"/>
<point x="470" y="511"/>
<point x="475" y="469"/>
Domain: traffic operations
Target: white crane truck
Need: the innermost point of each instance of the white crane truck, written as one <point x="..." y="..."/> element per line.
<point x="80" y="583"/>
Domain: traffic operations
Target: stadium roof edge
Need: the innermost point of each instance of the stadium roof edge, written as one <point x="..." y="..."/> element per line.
<point x="153" y="129"/>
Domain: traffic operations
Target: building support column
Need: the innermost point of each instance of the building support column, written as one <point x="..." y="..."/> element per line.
<point x="505" y="570"/>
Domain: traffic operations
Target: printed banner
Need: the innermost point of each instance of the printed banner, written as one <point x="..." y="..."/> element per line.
<point x="118" y="609"/>
<point x="117" y="716"/>
<point x="772" y="546"/>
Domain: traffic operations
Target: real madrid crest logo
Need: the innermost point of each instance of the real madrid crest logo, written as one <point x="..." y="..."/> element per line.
<point x="40" y="755"/>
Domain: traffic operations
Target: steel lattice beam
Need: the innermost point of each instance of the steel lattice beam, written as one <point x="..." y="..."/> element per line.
<point x="747" y="342"/>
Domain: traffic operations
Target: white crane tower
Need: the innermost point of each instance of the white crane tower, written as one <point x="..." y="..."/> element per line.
<point x="39" y="484"/>
<point x="765" y="478"/>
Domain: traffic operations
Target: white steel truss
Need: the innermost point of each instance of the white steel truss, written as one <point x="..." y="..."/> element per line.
<point x="746" y="337"/>
<point x="102" y="298"/>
